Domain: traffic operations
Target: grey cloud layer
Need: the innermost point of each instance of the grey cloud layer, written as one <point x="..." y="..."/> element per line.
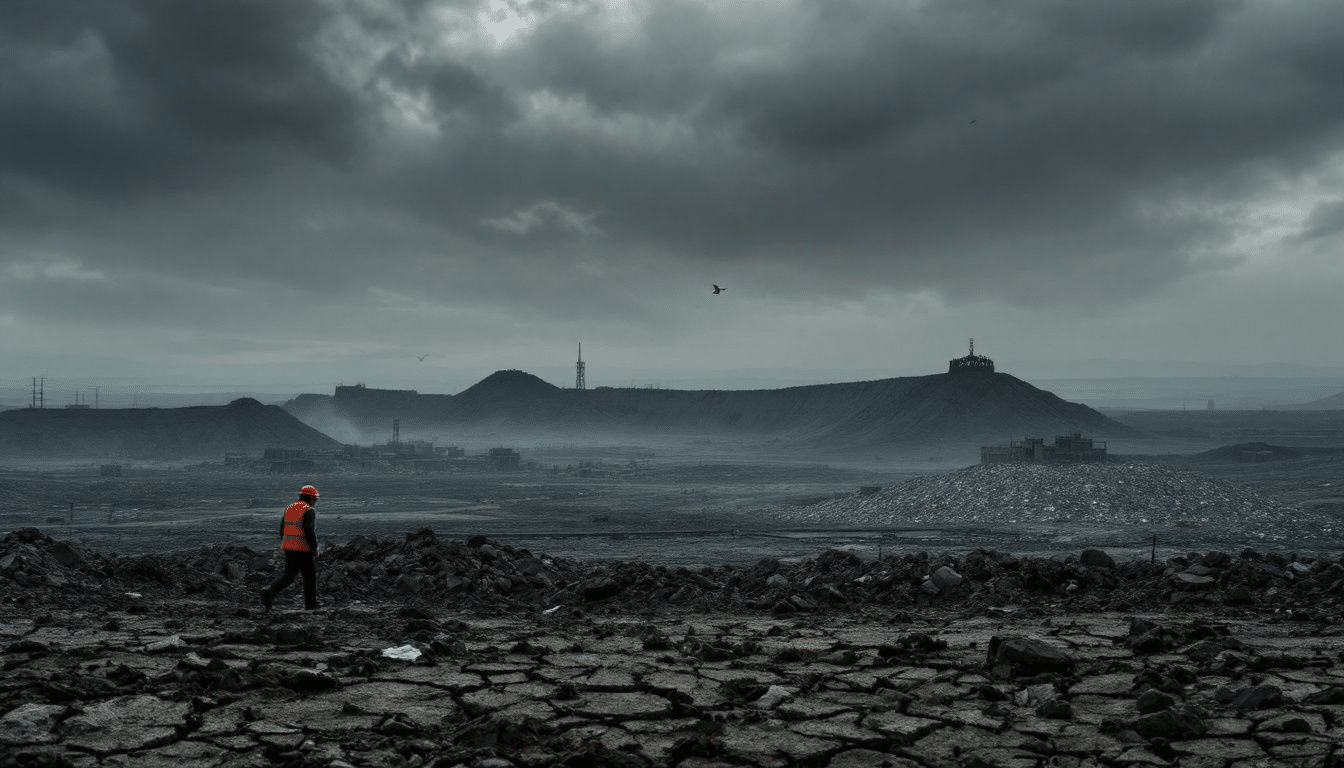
<point x="1021" y="152"/>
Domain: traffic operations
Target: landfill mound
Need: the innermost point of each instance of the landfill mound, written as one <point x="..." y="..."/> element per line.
<point x="1262" y="452"/>
<point x="1110" y="494"/>
<point x="494" y="578"/>
<point x="244" y="425"/>
<point x="899" y="412"/>
<point x="512" y="384"/>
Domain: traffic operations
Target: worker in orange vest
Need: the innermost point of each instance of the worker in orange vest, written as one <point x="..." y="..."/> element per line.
<point x="298" y="540"/>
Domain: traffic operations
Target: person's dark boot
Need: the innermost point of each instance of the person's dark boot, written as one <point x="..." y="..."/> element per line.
<point x="266" y="599"/>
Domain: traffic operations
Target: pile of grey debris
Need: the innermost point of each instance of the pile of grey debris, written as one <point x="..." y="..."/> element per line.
<point x="1112" y="494"/>
<point x="483" y="575"/>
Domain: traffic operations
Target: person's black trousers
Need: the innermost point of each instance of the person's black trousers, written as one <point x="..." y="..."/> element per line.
<point x="299" y="563"/>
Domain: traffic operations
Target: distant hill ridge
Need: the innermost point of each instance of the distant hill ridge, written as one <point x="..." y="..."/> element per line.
<point x="1334" y="402"/>
<point x="244" y="425"/>
<point x="956" y="406"/>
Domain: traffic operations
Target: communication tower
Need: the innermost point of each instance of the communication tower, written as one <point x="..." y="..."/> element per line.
<point x="971" y="362"/>
<point x="580" y="380"/>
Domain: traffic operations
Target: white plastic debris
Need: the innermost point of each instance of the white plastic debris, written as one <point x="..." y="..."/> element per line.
<point x="171" y="643"/>
<point x="402" y="653"/>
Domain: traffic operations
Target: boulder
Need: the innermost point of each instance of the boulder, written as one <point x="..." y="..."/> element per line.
<point x="1095" y="558"/>
<point x="1021" y="656"/>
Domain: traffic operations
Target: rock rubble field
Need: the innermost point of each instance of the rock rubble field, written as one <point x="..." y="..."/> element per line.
<point x="434" y="652"/>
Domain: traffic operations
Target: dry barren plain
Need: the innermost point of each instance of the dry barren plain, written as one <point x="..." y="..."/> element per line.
<point x="678" y="606"/>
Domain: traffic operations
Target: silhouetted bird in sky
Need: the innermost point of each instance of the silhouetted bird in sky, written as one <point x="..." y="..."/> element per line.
<point x="717" y="289"/>
<point x="421" y="358"/>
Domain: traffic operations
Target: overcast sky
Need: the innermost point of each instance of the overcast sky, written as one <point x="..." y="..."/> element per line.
<point x="290" y="195"/>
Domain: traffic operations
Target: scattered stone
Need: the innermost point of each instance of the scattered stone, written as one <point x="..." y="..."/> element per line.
<point x="184" y="674"/>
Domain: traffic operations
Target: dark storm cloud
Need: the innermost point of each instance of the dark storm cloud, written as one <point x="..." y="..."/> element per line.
<point x="968" y="146"/>
<point x="1026" y="152"/>
<point x="148" y="97"/>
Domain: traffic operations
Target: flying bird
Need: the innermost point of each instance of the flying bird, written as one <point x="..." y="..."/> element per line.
<point x="717" y="289"/>
<point x="421" y="358"/>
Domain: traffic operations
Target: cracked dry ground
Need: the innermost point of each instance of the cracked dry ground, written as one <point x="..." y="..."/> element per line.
<point x="187" y="683"/>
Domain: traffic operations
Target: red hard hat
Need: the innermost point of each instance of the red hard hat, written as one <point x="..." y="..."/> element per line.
<point x="308" y="490"/>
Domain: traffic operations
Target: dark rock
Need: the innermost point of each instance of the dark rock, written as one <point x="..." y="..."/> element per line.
<point x="67" y="554"/>
<point x="1259" y="697"/>
<point x="1154" y="701"/>
<point x="991" y="693"/>
<point x="1027" y="656"/>
<point x="1055" y="710"/>
<point x="917" y="643"/>
<point x="1095" y="558"/>
<point x="601" y="589"/>
<point x="1170" y="724"/>
<point x="1334" y="695"/>
<point x="309" y="681"/>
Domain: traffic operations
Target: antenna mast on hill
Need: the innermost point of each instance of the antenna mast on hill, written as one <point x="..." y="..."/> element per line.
<point x="580" y="380"/>
<point x="972" y="346"/>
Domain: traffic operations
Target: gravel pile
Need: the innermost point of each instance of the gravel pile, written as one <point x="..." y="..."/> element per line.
<point x="1111" y="494"/>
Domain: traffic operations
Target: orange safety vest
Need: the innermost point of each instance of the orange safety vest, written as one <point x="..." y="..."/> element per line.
<point x="292" y="537"/>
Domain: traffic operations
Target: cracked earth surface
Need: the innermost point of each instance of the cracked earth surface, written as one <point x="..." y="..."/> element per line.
<point x="210" y="683"/>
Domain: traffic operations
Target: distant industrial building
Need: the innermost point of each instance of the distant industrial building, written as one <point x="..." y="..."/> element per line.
<point x="1067" y="449"/>
<point x="503" y="459"/>
<point x="971" y="363"/>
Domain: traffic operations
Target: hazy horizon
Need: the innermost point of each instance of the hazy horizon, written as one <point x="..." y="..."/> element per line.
<point x="1248" y="387"/>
